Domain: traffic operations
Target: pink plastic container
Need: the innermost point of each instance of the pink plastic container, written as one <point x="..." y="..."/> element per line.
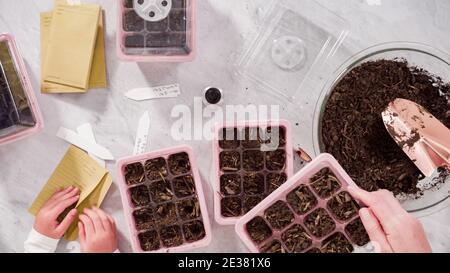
<point x="248" y="197"/>
<point x="172" y="37"/>
<point x="304" y="220"/>
<point x="34" y="122"/>
<point x="157" y="209"/>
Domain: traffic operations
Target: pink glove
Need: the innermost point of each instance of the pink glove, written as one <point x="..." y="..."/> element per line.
<point x="97" y="232"/>
<point x="389" y="226"/>
<point x="46" y="222"/>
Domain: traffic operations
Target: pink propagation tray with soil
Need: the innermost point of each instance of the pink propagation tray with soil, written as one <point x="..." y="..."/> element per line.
<point x="157" y="30"/>
<point x="311" y="212"/>
<point x="29" y="117"/>
<point x="163" y="201"/>
<point x="251" y="159"/>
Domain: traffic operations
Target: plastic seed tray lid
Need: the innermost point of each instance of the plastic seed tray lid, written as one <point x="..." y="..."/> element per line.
<point x="296" y="41"/>
<point x="163" y="201"/>
<point x="156" y="30"/>
<point x="311" y="212"/>
<point x="251" y="159"/>
<point x="19" y="113"/>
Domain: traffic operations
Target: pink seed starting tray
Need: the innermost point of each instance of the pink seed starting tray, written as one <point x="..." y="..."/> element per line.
<point x="20" y="115"/>
<point x="251" y="159"/>
<point x="156" y="30"/>
<point x="163" y="201"/>
<point x="311" y="212"/>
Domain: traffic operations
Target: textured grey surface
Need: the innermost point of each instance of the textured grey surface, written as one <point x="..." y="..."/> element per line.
<point x="224" y="28"/>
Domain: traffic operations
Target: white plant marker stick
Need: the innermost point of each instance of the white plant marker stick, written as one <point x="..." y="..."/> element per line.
<point x="84" y="143"/>
<point x="149" y="93"/>
<point x="140" y="144"/>
<point x="85" y="130"/>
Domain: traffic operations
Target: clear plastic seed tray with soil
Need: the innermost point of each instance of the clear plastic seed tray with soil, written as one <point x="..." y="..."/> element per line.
<point x="164" y="201"/>
<point x="252" y="160"/>
<point x="19" y="115"/>
<point x="165" y="29"/>
<point x="311" y="212"/>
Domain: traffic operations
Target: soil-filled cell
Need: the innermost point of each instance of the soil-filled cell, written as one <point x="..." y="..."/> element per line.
<point x="140" y="196"/>
<point x="296" y="239"/>
<point x="194" y="231"/>
<point x="275" y="160"/>
<point x="231" y="207"/>
<point x="274" y="181"/>
<point x="301" y="199"/>
<point x="258" y="230"/>
<point x="336" y="243"/>
<point x="156" y="169"/>
<point x="230" y="184"/>
<point x="325" y="183"/>
<point x="179" y="164"/>
<point x="319" y="223"/>
<point x="228" y="138"/>
<point x="357" y="233"/>
<point x="184" y="186"/>
<point x="279" y="215"/>
<point x="189" y="209"/>
<point x="149" y="240"/>
<point x="343" y="206"/>
<point x="171" y="236"/>
<point x="230" y="161"/>
<point x="144" y="218"/>
<point x="253" y="160"/>
<point x="254" y="183"/>
<point x="161" y="191"/>
<point x="134" y="174"/>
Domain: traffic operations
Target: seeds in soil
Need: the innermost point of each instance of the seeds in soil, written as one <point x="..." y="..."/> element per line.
<point x="144" y="219"/>
<point x="228" y="139"/>
<point x="319" y="223"/>
<point x="253" y="160"/>
<point x="230" y="161"/>
<point x="165" y="214"/>
<point x="184" y="186"/>
<point x="149" y="240"/>
<point x="274" y="181"/>
<point x="254" y="183"/>
<point x="325" y="183"/>
<point x="251" y="138"/>
<point x="249" y="202"/>
<point x="161" y="191"/>
<point x="336" y="243"/>
<point x="279" y="215"/>
<point x="258" y="230"/>
<point x="301" y="200"/>
<point x="194" y="231"/>
<point x="156" y="169"/>
<point x="140" y="196"/>
<point x="273" y="247"/>
<point x="230" y="184"/>
<point x="231" y="206"/>
<point x="189" y="209"/>
<point x="171" y="236"/>
<point x="343" y="206"/>
<point x="179" y="164"/>
<point x="134" y="174"/>
<point x="357" y="233"/>
<point x="296" y="239"/>
<point x="275" y="160"/>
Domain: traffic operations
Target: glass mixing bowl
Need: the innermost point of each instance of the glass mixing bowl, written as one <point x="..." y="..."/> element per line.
<point x="434" y="61"/>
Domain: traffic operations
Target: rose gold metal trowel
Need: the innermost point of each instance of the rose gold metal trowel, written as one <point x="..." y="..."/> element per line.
<point x="420" y="135"/>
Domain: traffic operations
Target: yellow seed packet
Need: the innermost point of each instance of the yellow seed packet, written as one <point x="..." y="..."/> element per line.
<point x="70" y="50"/>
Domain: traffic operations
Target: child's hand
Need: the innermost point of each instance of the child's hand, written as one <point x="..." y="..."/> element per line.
<point x="46" y="222"/>
<point x="388" y="224"/>
<point x="97" y="232"/>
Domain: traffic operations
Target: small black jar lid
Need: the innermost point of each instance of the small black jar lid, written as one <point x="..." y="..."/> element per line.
<point x="213" y="95"/>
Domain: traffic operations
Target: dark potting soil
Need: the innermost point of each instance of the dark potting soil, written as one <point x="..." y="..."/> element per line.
<point x="258" y="230"/>
<point x="353" y="129"/>
<point x="149" y="240"/>
<point x="144" y="218"/>
<point x="189" y="209"/>
<point x="301" y="200"/>
<point x="319" y="223"/>
<point x="337" y="243"/>
<point x="273" y="247"/>
<point x="156" y="169"/>
<point x="230" y="184"/>
<point x="250" y="202"/>
<point x="325" y="183"/>
<point x="279" y="215"/>
<point x="343" y="206"/>
<point x="194" y="231"/>
<point x="254" y="183"/>
<point x="274" y="181"/>
<point x="296" y="239"/>
<point x="161" y="191"/>
<point x="179" y="164"/>
<point x="183" y="186"/>
<point x="140" y="196"/>
<point x="171" y="236"/>
<point x="7" y="109"/>
<point x="134" y="174"/>
<point x="357" y="233"/>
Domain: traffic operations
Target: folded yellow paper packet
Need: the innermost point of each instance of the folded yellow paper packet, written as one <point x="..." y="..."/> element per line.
<point x="77" y="169"/>
<point x="72" y="38"/>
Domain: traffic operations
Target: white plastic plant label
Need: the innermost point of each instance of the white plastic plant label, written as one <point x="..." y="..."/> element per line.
<point x="149" y="93"/>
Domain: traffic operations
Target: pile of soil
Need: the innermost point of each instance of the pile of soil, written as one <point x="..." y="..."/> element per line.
<point x="353" y="130"/>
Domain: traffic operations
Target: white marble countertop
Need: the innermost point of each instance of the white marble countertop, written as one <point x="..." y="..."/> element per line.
<point x="224" y="28"/>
